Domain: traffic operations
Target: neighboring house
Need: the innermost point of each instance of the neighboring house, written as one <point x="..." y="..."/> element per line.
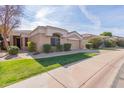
<point x="86" y="37"/>
<point x="45" y="35"/>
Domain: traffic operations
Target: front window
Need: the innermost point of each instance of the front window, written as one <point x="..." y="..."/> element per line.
<point x="55" y="40"/>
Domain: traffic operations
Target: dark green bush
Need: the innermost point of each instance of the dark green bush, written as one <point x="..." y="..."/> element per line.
<point x="96" y="41"/>
<point x="67" y="47"/>
<point x="31" y="46"/>
<point x="13" y="50"/>
<point x="47" y="48"/>
<point x="59" y="47"/>
<point x="89" y="45"/>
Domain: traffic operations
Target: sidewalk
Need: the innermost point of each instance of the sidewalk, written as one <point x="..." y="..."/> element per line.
<point x="80" y="74"/>
<point x="27" y="54"/>
<point x="45" y="55"/>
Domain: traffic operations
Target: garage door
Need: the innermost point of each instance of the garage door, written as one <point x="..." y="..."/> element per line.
<point x="74" y="44"/>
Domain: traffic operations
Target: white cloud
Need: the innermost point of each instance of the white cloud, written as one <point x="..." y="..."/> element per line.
<point x="43" y="12"/>
<point x="93" y="18"/>
<point x="40" y="18"/>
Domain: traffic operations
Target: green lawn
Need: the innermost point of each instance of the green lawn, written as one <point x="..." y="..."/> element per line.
<point x="12" y="71"/>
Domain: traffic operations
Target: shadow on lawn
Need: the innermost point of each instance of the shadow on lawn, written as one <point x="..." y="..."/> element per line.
<point x="63" y="60"/>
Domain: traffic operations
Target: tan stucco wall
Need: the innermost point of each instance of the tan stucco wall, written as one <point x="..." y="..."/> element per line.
<point x="23" y="43"/>
<point x="63" y="40"/>
<point x="83" y="43"/>
<point x="40" y="40"/>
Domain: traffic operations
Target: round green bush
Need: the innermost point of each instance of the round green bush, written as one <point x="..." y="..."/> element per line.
<point x="89" y="45"/>
<point x="31" y="46"/>
<point x="67" y="47"/>
<point x="47" y="48"/>
<point x="13" y="50"/>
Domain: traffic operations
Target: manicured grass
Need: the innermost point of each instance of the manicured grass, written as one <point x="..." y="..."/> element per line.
<point x="15" y="70"/>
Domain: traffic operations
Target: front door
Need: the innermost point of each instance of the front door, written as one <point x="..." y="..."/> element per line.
<point x="17" y="41"/>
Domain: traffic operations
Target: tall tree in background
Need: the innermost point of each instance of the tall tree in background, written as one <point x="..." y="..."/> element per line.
<point x="106" y="34"/>
<point x="9" y="20"/>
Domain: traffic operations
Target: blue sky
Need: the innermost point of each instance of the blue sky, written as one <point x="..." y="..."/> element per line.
<point x="83" y="19"/>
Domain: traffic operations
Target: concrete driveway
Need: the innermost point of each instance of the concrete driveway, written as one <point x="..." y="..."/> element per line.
<point x="98" y="71"/>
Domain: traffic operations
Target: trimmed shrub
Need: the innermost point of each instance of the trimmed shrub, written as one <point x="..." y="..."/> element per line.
<point x="59" y="47"/>
<point x="89" y="45"/>
<point x="67" y="47"/>
<point x="31" y="46"/>
<point x="96" y="41"/>
<point x="13" y="50"/>
<point x="47" y="48"/>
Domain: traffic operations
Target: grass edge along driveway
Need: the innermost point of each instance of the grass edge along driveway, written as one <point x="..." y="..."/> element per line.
<point x="15" y="70"/>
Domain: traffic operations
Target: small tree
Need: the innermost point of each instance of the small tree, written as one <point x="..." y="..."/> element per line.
<point x="96" y="41"/>
<point x="106" y="34"/>
<point x="9" y="20"/>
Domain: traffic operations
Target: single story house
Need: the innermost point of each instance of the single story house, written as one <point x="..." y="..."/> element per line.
<point x="45" y="35"/>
